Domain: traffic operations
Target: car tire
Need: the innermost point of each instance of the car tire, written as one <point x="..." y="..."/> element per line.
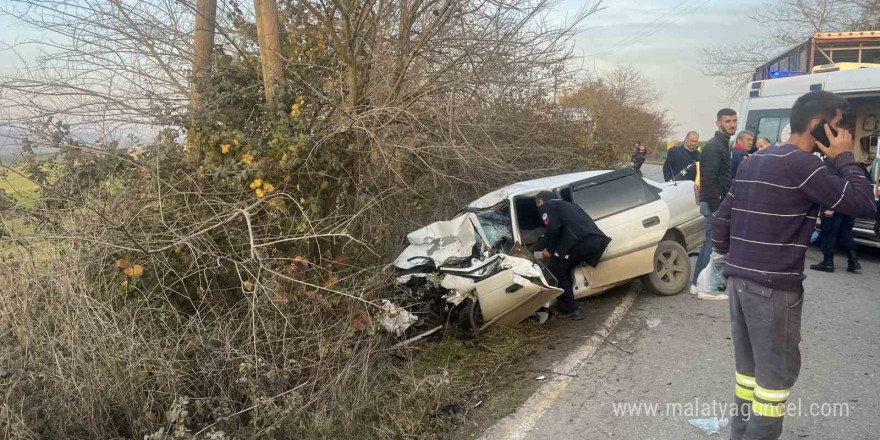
<point x="472" y="316"/>
<point x="672" y="270"/>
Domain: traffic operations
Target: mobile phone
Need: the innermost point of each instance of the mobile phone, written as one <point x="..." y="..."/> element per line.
<point x="820" y="135"/>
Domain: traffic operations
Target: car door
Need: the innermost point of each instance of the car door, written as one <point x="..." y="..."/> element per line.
<point x="630" y="212"/>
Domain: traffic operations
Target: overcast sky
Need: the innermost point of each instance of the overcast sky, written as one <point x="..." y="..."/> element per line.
<point x="669" y="57"/>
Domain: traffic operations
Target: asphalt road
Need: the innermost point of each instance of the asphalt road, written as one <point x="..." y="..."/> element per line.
<point x="674" y="354"/>
<point x="654" y="172"/>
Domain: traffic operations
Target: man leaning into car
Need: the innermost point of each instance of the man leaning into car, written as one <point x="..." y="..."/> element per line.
<point x="572" y="238"/>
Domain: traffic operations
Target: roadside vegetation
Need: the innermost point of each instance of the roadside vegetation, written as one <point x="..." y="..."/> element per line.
<point x="223" y="274"/>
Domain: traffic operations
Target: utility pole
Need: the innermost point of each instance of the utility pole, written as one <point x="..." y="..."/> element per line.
<point x="206" y="14"/>
<point x="269" y="34"/>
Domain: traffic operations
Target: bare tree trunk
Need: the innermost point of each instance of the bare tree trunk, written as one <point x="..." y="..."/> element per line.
<point x="206" y="13"/>
<point x="269" y="35"/>
<point x="203" y="50"/>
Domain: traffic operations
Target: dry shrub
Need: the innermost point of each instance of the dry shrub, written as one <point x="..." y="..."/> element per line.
<point x="89" y="356"/>
<point x="157" y="299"/>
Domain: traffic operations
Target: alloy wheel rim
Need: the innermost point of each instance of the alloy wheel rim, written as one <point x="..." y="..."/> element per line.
<point x="671" y="268"/>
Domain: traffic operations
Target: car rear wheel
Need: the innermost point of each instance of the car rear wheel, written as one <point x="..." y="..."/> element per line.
<point x="672" y="270"/>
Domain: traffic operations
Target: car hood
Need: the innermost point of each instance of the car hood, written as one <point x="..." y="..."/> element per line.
<point x="438" y="243"/>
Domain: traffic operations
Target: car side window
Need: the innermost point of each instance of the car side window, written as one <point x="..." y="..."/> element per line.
<point x="612" y="197"/>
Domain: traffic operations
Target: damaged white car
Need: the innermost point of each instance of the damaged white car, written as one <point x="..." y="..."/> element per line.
<point x="482" y="262"/>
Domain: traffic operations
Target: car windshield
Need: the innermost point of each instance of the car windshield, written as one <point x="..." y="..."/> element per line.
<point x="497" y="226"/>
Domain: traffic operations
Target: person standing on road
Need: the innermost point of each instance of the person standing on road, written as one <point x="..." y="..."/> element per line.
<point x="837" y="228"/>
<point x="714" y="180"/>
<point x="741" y="151"/>
<point x="638" y="157"/>
<point x="572" y="238"/>
<point x="764" y="227"/>
<point x="762" y="143"/>
<point x="681" y="161"/>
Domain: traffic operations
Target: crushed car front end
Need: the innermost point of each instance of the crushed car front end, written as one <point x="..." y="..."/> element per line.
<point x="471" y="266"/>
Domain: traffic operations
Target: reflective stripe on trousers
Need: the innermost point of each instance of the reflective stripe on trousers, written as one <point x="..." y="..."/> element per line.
<point x="765" y="328"/>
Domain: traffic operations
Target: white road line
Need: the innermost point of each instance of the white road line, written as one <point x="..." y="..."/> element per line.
<point x="518" y="425"/>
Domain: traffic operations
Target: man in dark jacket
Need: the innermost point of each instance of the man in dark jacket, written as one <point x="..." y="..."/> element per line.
<point x="741" y="151"/>
<point x="681" y="161"/>
<point x="572" y="238"/>
<point x="714" y="179"/>
<point x="638" y="157"/>
<point x="837" y="228"/>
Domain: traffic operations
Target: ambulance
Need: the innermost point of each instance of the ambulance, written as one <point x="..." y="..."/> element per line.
<point x="766" y="111"/>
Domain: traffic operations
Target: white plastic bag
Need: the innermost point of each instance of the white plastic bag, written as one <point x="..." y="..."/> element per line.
<point x="712" y="279"/>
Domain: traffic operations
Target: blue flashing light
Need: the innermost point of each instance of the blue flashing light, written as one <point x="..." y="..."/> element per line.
<point x="783" y="74"/>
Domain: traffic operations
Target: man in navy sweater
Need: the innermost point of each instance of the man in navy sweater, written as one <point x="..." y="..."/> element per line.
<point x="764" y="226"/>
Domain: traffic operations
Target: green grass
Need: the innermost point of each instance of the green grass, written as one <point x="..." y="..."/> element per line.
<point x="15" y="158"/>
<point x="20" y="188"/>
<point x="24" y="192"/>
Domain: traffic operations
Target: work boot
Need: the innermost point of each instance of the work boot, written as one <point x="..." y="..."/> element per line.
<point x="852" y="264"/>
<point x="827" y="265"/>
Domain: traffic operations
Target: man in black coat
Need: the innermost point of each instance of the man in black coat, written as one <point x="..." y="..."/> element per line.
<point x="638" y="157"/>
<point x="714" y="179"/>
<point x="681" y="160"/>
<point x="572" y="238"/>
<point x="837" y="228"/>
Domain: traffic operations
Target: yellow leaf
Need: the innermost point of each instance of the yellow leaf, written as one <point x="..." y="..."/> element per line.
<point x="135" y="271"/>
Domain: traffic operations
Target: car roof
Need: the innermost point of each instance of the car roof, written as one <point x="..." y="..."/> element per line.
<point x="531" y="187"/>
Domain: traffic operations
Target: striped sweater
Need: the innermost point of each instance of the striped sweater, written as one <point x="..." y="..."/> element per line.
<point x="767" y="218"/>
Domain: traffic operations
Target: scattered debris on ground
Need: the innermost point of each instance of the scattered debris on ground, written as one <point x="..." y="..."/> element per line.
<point x="710" y="426"/>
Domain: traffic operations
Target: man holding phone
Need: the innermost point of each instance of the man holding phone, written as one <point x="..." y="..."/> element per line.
<point x="764" y="226"/>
